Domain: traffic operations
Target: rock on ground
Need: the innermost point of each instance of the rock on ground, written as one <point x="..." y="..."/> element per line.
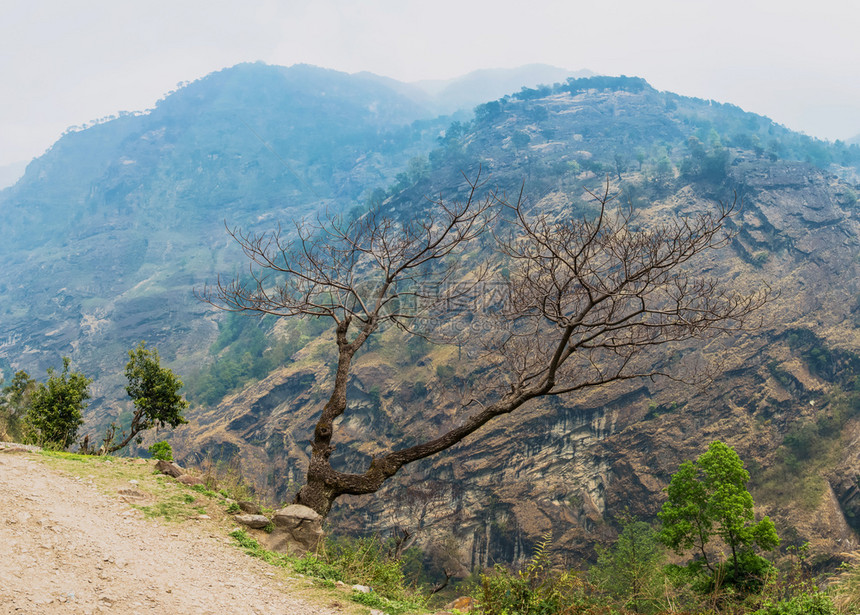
<point x="298" y="530"/>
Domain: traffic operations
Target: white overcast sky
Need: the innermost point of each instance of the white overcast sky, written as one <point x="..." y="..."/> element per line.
<point x="65" y="62"/>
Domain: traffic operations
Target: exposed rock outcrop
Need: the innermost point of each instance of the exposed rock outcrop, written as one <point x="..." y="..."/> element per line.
<point x="298" y="530"/>
<point x="169" y="468"/>
<point x="255" y="522"/>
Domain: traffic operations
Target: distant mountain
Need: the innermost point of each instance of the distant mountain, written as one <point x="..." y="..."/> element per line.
<point x="108" y="232"/>
<point x="308" y="127"/>
<point x="449" y="95"/>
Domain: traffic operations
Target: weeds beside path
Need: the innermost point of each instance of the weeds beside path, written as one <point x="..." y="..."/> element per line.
<point x="71" y="545"/>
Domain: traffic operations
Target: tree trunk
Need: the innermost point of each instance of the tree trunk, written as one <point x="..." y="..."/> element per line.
<point x="325" y="484"/>
<point x="317" y="496"/>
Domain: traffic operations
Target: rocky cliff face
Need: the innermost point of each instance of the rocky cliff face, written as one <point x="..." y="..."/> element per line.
<point x="573" y="465"/>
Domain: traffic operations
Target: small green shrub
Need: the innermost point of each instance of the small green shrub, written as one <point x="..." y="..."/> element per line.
<point x="233" y="508"/>
<point x="202" y="489"/>
<point x="812" y="603"/>
<point x="313" y="566"/>
<point x="363" y="561"/>
<point x="161" y="451"/>
<point x="535" y="590"/>
<point x="392" y="607"/>
<point x="630" y="571"/>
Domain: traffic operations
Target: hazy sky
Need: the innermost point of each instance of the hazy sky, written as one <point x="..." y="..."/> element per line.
<point x="66" y="62"/>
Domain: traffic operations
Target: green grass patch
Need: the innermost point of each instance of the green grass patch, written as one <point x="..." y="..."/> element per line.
<point x="173" y="508"/>
<point x="255" y="549"/>
<point x="392" y="607"/>
<point x="207" y="492"/>
<point x="72" y="456"/>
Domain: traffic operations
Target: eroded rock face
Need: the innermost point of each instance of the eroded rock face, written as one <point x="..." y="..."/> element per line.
<point x="845" y="480"/>
<point x="298" y="530"/>
<point x="573" y="465"/>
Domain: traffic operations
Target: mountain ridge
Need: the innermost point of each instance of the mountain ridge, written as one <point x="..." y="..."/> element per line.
<point x="107" y="260"/>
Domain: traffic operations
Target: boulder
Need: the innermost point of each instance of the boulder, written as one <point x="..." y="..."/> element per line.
<point x="256" y="522"/>
<point x="187" y="479"/>
<point x="249" y="507"/>
<point x="169" y="468"/>
<point x="298" y="530"/>
<point x="295" y="514"/>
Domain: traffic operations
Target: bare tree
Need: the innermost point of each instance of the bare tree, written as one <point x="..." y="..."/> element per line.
<point x="584" y="299"/>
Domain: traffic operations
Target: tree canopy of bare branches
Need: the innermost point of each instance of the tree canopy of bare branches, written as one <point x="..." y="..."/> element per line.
<point x="584" y="299"/>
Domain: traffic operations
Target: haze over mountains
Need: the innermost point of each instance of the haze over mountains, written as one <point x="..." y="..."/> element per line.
<point x="107" y="235"/>
<point x="435" y="97"/>
<point x="480" y="86"/>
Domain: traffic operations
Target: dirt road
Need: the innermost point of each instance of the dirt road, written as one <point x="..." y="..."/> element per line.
<point x="67" y="548"/>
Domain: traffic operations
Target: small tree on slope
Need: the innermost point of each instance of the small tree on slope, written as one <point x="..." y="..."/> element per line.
<point x="708" y="500"/>
<point x="14" y="404"/>
<point x="155" y="393"/>
<point x="56" y="407"/>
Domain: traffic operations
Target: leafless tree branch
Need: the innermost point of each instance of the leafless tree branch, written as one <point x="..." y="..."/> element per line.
<point x="584" y="300"/>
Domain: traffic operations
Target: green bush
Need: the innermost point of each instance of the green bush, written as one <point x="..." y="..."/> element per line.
<point x="313" y="566"/>
<point x="631" y="571"/>
<point x="535" y="590"/>
<point x="366" y="561"/>
<point x="161" y="451"/>
<point x="812" y="603"/>
<point x="14" y="404"/>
